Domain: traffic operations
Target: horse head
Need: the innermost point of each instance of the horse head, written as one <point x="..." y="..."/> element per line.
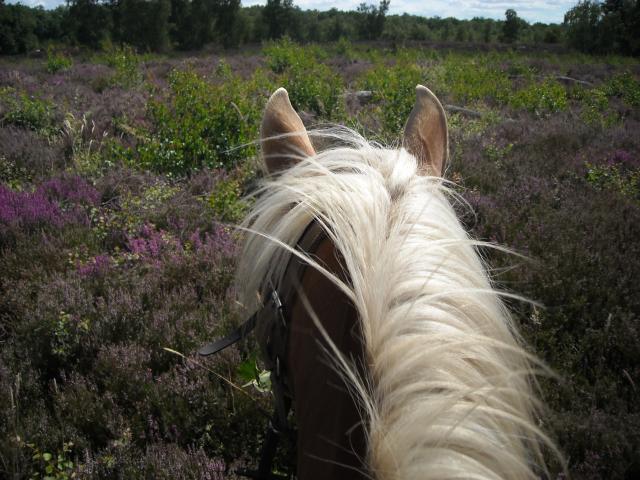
<point x="400" y="357"/>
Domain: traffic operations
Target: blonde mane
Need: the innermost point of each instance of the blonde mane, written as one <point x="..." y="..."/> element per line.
<point x="449" y="390"/>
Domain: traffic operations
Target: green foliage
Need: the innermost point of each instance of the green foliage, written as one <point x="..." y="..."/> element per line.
<point x="371" y="19"/>
<point x="155" y="25"/>
<point x="394" y="87"/>
<point x="315" y="88"/>
<point x="345" y="48"/>
<point x="225" y="201"/>
<point x="282" y="54"/>
<point x="624" y="86"/>
<point x="66" y="334"/>
<point x="26" y="111"/>
<point x="202" y="124"/>
<point x="511" y="26"/>
<point x="125" y="61"/>
<point x="582" y="23"/>
<point x="604" y="27"/>
<point x="134" y="210"/>
<point x="595" y="106"/>
<point x="48" y="466"/>
<point x="470" y="80"/>
<point x="541" y="98"/>
<point x="11" y="174"/>
<point x="278" y="15"/>
<point x="88" y="22"/>
<point x="249" y="373"/>
<point x="496" y="153"/>
<point x="312" y="85"/>
<point x="144" y="24"/>
<point x="17" y="29"/>
<point x="57" y="61"/>
<point x="614" y="177"/>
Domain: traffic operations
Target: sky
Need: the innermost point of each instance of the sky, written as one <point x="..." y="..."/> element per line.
<point x="546" y="11"/>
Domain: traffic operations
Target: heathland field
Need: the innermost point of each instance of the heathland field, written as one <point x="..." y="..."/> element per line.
<point x="120" y="174"/>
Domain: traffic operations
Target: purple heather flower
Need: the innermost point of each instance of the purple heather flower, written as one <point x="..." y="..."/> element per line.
<point x="480" y="201"/>
<point x="96" y="266"/>
<point x="624" y="159"/>
<point x="151" y="243"/>
<point x="195" y="240"/>
<point x="29" y="209"/>
<point x="71" y="189"/>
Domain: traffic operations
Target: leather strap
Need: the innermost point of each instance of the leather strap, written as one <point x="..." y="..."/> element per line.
<point x="310" y="240"/>
<point x="275" y="346"/>
<point x="238" y="334"/>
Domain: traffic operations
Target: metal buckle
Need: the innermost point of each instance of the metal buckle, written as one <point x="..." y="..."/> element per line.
<point x="278" y="307"/>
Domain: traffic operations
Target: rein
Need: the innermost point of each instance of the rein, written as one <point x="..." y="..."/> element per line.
<point x="274" y="317"/>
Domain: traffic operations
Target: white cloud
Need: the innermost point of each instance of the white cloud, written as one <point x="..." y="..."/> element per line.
<point x="39" y="3"/>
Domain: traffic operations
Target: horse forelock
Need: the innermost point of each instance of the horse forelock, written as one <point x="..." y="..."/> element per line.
<point x="449" y="389"/>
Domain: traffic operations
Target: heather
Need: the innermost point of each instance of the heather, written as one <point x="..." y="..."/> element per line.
<point x="122" y="175"/>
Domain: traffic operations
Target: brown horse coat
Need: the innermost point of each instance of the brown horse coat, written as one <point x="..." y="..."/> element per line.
<point x="323" y="407"/>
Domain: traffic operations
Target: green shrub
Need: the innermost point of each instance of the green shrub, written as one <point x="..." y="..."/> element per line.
<point x="345" y="48"/>
<point x="470" y="80"/>
<point x="134" y="210"/>
<point x="541" y="98"/>
<point x="48" y="466"/>
<point x="125" y="61"/>
<point x="281" y="54"/>
<point x="614" y="177"/>
<point x="312" y="85"/>
<point x="57" y="61"/>
<point x="12" y="174"/>
<point x="625" y="87"/>
<point x="225" y="201"/>
<point x="201" y="124"/>
<point x="496" y="154"/>
<point x="595" y="106"/>
<point x="26" y="111"/>
<point x="394" y="88"/>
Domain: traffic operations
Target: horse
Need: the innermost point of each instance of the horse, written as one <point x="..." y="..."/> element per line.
<point x="396" y="352"/>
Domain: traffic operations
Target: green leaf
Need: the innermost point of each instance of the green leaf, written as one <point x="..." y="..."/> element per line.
<point x="247" y="370"/>
<point x="47" y="456"/>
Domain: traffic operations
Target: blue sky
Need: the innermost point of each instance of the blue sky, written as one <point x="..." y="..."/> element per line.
<point x="546" y="11"/>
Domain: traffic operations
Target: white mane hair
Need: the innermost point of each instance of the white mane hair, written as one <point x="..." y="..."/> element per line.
<point x="449" y="392"/>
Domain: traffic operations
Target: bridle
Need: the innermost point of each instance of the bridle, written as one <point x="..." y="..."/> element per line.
<point x="274" y="318"/>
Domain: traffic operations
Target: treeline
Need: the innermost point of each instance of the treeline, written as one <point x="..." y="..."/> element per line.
<point x="160" y="25"/>
<point x="604" y="27"/>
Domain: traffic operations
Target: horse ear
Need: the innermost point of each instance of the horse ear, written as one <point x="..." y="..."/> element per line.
<point x="425" y="135"/>
<point x="283" y="138"/>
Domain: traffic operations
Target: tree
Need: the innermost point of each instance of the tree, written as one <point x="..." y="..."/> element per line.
<point x="620" y="26"/>
<point x="372" y="19"/>
<point x="142" y="23"/>
<point x="486" y="32"/>
<point x="17" y="25"/>
<point x="582" y="25"/>
<point x="89" y="22"/>
<point x="193" y="23"/>
<point x="511" y="26"/>
<point x="278" y="16"/>
<point x="228" y="27"/>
